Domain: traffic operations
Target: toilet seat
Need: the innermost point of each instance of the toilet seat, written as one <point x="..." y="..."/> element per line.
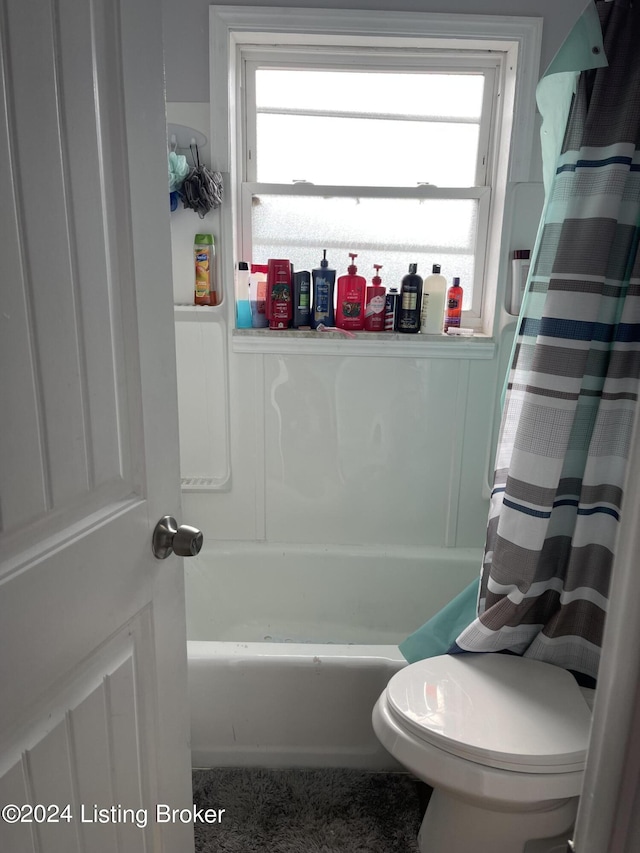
<point x="500" y="711"/>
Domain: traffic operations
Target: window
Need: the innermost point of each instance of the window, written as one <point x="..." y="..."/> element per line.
<point x="394" y="145"/>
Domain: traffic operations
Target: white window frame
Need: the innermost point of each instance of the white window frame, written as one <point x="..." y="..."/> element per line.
<point x="241" y="35"/>
<point x="340" y="59"/>
<point x="332" y="58"/>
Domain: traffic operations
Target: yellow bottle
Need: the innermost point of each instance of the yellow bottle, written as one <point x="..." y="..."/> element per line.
<point x="204" y="256"/>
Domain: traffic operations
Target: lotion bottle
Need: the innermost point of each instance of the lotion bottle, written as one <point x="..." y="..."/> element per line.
<point x="374" y="304"/>
<point x="351" y="293"/>
<point x="434" y="297"/>
<point x="323" y="282"/>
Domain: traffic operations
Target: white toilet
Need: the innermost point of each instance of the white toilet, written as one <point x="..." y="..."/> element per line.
<point x="501" y="739"/>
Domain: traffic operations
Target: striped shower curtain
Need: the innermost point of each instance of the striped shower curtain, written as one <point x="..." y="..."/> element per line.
<point x="573" y="384"/>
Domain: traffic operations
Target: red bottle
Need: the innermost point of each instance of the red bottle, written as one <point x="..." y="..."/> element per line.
<point x="374" y="304"/>
<point x="279" y="294"/>
<point x="351" y="293"/>
<point x="453" y="313"/>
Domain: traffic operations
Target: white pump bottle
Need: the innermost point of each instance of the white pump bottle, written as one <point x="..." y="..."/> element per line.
<point x="434" y="295"/>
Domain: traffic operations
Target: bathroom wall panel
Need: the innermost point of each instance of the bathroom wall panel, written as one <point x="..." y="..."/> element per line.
<point x="320" y="593"/>
<point x="359" y="450"/>
<point x="475" y="453"/>
<point x="239" y="512"/>
<point x="202" y="401"/>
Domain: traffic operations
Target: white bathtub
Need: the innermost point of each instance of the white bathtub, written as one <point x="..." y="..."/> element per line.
<point x="289" y="647"/>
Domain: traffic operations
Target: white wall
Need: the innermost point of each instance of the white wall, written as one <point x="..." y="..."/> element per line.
<point x="186" y="25"/>
<point x="338" y="450"/>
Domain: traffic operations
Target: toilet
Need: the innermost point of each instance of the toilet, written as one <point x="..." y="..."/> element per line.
<point x="501" y="739"/>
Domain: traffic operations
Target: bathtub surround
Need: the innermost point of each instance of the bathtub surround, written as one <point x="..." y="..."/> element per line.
<point x="261" y="592"/>
<point x="308" y="811"/>
<point x="573" y="385"/>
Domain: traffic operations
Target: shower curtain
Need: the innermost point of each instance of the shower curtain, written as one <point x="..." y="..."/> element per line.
<point x="573" y="383"/>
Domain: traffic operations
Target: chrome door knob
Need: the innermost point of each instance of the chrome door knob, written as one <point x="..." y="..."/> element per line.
<point x="185" y="541"/>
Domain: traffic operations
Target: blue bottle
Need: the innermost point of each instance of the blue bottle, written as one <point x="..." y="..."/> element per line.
<point x="323" y="282"/>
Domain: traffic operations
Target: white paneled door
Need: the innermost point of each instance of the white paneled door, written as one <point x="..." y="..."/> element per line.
<point x="93" y="703"/>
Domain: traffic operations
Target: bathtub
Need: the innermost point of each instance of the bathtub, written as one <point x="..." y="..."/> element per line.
<point x="289" y="647"/>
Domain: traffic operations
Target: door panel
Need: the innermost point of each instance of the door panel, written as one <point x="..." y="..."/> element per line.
<point x="86" y="746"/>
<point x="93" y="701"/>
<point x="70" y="262"/>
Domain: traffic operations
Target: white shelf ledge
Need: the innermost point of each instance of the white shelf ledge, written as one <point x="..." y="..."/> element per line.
<point x="198" y="313"/>
<point x="380" y="344"/>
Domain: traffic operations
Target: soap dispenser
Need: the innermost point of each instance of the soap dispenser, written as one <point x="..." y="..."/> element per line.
<point x="351" y="293"/>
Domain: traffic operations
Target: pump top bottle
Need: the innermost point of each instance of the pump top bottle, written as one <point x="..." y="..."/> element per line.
<point x="374" y="303"/>
<point x="351" y="293"/>
<point x="323" y="282"/>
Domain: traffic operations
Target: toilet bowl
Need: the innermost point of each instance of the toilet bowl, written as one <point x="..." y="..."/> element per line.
<point x="501" y="739"/>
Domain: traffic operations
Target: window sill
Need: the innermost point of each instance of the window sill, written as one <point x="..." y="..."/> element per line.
<point x="381" y="344"/>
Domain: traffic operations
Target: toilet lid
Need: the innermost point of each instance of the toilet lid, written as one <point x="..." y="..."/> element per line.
<point x="498" y="710"/>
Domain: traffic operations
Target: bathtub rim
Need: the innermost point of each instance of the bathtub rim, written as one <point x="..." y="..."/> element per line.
<point x="200" y="650"/>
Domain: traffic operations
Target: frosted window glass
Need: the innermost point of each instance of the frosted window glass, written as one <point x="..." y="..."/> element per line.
<point x="419" y="94"/>
<point x="391" y="232"/>
<point x="365" y="152"/>
<point x="356" y="145"/>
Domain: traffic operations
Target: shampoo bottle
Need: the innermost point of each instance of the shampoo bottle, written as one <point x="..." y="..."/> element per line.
<point x="434" y="297"/>
<point x="454" y="306"/>
<point x="323" y="282"/>
<point x="279" y="296"/>
<point x="374" y="304"/>
<point x="351" y="293"/>
<point x="204" y="256"/>
<point x="410" y="301"/>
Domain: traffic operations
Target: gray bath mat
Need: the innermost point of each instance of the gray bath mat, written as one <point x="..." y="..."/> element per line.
<point x="307" y="811"/>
